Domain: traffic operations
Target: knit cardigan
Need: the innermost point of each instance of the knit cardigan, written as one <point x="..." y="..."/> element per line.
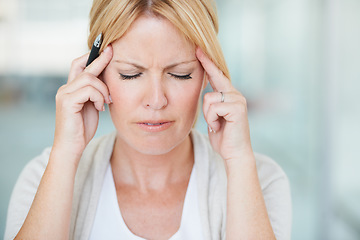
<point x="211" y="187"/>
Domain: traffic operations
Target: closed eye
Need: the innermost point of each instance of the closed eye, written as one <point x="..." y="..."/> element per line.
<point x="129" y="77"/>
<point x="182" y="77"/>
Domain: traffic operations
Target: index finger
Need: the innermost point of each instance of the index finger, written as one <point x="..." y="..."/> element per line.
<point x="100" y="63"/>
<point x="77" y="67"/>
<point x="218" y="81"/>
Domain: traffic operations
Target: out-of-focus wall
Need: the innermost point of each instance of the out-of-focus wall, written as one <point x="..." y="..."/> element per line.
<point x="296" y="62"/>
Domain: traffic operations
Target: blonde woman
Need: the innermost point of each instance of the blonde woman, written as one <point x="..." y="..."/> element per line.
<point x="155" y="177"/>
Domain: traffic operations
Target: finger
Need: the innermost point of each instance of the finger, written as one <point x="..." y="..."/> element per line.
<point x="87" y="79"/>
<point x="100" y="63"/>
<point x="215" y="97"/>
<point x="219" y="82"/>
<point x="77" y="67"/>
<point x="79" y="98"/>
<point x="230" y="112"/>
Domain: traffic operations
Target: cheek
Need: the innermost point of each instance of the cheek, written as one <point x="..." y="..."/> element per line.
<point x="123" y="98"/>
<point x="188" y="97"/>
<point x="194" y="91"/>
<point x="119" y="91"/>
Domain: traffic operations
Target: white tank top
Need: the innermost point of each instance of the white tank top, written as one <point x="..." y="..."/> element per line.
<point x="109" y="224"/>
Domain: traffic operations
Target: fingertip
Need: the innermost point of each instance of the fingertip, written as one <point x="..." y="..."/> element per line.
<point x="100" y="107"/>
<point x="108" y="49"/>
<point x="212" y="129"/>
<point x="199" y="52"/>
<point x="215" y="125"/>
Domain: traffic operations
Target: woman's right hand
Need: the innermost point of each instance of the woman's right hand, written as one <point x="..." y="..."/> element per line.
<point x="78" y="103"/>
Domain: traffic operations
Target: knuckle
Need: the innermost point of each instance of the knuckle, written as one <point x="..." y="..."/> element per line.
<point x="86" y="75"/>
<point x="206" y="98"/>
<point x="89" y="90"/>
<point x="210" y="111"/>
<point x="57" y="97"/>
<point x="59" y="92"/>
<point x="86" y="78"/>
<point x="207" y="117"/>
<point x="75" y="62"/>
<point x="239" y="98"/>
<point x="60" y="89"/>
<point x="63" y="102"/>
<point x="242" y="107"/>
<point x="92" y="92"/>
<point x="90" y="78"/>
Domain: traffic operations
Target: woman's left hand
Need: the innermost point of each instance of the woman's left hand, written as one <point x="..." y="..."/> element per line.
<point x="225" y="111"/>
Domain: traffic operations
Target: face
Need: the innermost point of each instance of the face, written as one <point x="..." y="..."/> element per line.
<point x="155" y="82"/>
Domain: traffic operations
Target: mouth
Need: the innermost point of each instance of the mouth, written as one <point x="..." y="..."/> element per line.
<point x="155" y="126"/>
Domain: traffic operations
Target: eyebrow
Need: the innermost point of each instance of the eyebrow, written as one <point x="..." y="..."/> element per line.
<point x="167" y="67"/>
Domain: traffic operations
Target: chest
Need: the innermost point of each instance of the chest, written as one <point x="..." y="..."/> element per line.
<point x="124" y="213"/>
<point x="154" y="215"/>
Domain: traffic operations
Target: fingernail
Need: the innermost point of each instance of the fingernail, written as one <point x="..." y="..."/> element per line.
<point x="110" y="99"/>
<point x="210" y="129"/>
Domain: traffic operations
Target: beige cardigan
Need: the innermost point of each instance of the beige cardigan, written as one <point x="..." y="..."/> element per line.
<point x="211" y="181"/>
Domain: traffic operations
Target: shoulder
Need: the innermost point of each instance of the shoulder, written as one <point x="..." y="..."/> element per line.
<point x="31" y="174"/>
<point x="23" y="193"/>
<point x="33" y="170"/>
<point x="29" y="179"/>
<point x="268" y="170"/>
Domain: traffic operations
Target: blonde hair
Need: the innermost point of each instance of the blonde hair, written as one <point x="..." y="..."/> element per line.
<point x="196" y="19"/>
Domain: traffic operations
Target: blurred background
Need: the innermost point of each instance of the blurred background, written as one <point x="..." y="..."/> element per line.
<point x="296" y="61"/>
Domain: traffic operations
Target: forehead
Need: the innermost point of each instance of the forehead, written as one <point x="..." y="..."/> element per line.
<point x="153" y="38"/>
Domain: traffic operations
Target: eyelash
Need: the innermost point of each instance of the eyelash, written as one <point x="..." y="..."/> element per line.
<point x="129" y="77"/>
<point x="181" y="77"/>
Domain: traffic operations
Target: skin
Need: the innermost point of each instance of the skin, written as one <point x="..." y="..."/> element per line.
<point x="151" y="169"/>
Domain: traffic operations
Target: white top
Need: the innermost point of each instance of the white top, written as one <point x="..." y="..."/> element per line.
<point x="109" y="224"/>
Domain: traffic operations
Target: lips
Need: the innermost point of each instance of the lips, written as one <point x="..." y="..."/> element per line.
<point x="155" y="126"/>
<point x="154" y="122"/>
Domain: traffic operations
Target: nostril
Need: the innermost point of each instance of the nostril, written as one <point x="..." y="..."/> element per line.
<point x="157" y="103"/>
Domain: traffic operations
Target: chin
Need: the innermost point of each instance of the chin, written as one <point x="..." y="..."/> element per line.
<point x="159" y="144"/>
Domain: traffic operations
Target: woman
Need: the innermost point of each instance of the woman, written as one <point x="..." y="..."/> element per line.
<point x="155" y="177"/>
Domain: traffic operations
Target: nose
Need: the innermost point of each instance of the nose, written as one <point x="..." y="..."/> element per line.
<point x="155" y="97"/>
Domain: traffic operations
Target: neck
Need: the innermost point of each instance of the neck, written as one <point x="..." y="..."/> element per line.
<point x="151" y="172"/>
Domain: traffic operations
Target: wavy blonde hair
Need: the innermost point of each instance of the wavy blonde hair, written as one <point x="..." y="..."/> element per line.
<point x="196" y="19"/>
